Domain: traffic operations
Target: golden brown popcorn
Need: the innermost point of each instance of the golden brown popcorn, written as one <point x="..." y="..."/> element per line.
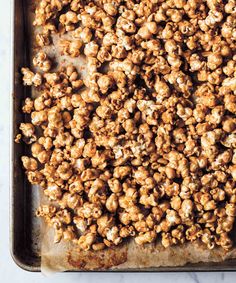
<point x="105" y="82"/>
<point x="224" y="240"/>
<point x="53" y="192"/>
<point x="91" y="49"/>
<point x="167" y="240"/>
<point x="146" y="237"/>
<point x="29" y="163"/>
<point x="29" y="78"/>
<point x="114" y="185"/>
<point x="85" y="241"/>
<point x="38" y="117"/>
<point x="112" y="203"/>
<point x="27" y="129"/>
<point x="84" y="34"/>
<point x="140" y="140"/>
<point x="28" y="105"/>
<point x="71" y="48"/>
<point x="35" y="177"/>
<point x="64" y="171"/>
<point x="43" y="39"/>
<point x="121" y="171"/>
<point x="214" y="60"/>
<point x="42" y="61"/>
<point x="68" y="19"/>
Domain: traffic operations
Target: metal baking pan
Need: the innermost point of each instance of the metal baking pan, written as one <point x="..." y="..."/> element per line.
<point x="24" y="227"/>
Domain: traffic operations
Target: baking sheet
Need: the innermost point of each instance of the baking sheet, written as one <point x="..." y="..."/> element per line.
<point x="65" y="256"/>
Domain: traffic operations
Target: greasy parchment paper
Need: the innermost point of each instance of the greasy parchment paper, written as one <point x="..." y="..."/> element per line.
<point x="66" y="256"/>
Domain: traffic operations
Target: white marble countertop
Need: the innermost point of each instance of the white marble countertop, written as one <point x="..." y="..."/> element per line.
<point x="11" y="273"/>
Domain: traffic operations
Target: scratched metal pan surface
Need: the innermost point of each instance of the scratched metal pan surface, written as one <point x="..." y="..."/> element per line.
<point x="24" y="227"/>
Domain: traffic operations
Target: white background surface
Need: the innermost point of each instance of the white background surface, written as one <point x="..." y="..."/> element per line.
<point x="9" y="272"/>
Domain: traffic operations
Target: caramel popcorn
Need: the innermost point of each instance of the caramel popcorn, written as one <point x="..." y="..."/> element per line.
<point x="42" y="61"/>
<point x="144" y="146"/>
<point x="29" y="78"/>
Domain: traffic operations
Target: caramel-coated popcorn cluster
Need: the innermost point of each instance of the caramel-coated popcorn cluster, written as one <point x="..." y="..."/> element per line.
<point x="145" y="145"/>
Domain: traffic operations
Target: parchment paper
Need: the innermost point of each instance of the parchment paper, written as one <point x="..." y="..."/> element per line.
<point x="66" y="256"/>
